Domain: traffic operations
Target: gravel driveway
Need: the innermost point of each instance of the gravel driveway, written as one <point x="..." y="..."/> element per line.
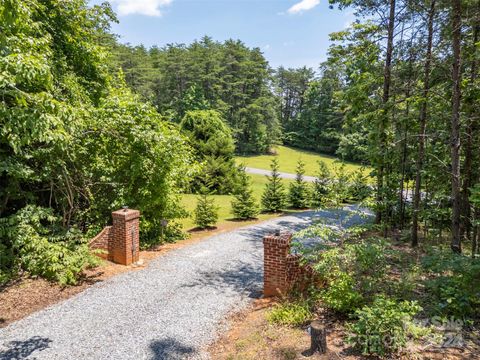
<point x="171" y="309"/>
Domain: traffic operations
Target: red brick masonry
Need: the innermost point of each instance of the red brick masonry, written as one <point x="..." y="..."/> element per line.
<point x="121" y="241"/>
<point x="101" y="241"/>
<point x="282" y="270"/>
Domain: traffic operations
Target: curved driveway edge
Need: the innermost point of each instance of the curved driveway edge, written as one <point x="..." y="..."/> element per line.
<point x="283" y="175"/>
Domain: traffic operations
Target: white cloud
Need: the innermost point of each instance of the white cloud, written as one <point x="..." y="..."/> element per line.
<point x="302" y="6"/>
<point x="141" y="7"/>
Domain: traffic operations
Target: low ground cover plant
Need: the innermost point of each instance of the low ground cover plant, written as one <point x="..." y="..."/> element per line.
<point x="383" y="327"/>
<point x="453" y="283"/>
<point x="292" y="312"/>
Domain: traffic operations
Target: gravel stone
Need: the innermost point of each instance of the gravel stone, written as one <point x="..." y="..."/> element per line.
<point x="172" y="309"/>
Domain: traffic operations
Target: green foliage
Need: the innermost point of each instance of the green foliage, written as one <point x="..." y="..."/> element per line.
<point x="73" y="138"/>
<point x="453" y="284"/>
<point x="41" y="247"/>
<point x="354" y="273"/>
<point x="274" y="197"/>
<point x="206" y="212"/>
<point x="227" y="77"/>
<point x="213" y="142"/>
<point x="299" y="194"/>
<point x="244" y="205"/>
<point x="308" y="108"/>
<point x="322" y="186"/>
<point x="134" y="157"/>
<point x="340" y="186"/>
<point x="7" y="259"/>
<point x="173" y="232"/>
<point x="290" y="313"/>
<point x="342" y="295"/>
<point x="359" y="189"/>
<point x="383" y="327"/>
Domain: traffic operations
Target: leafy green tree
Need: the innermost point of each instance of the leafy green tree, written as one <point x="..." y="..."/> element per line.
<point x="244" y="205"/>
<point x="274" y="197"/>
<point x="206" y="212"/>
<point x="213" y="142"/>
<point x="299" y="194"/>
<point x="313" y="121"/>
<point x="74" y="141"/>
<point x="142" y="159"/>
<point x="322" y="185"/>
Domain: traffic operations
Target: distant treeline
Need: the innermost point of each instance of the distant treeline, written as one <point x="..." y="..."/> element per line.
<point x="261" y="105"/>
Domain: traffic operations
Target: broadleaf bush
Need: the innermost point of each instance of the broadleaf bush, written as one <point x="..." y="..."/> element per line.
<point x="453" y="284"/>
<point x="41" y="247"/>
<point x="383" y="327"/>
<point x="353" y="274"/>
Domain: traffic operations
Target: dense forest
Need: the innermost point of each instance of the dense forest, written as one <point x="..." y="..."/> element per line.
<point x="262" y="106"/>
<point x="89" y="124"/>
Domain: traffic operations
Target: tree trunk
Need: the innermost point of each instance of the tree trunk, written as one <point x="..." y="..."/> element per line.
<point x="384" y="118"/>
<point x="423" y="126"/>
<point x="318" y="337"/>
<point x="466" y="224"/>
<point x="476" y="233"/>
<point x="455" y="125"/>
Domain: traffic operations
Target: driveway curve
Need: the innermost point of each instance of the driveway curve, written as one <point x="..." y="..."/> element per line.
<point x="283" y="175"/>
<point x="172" y="309"/>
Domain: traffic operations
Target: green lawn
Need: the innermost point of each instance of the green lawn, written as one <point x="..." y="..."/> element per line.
<point x="288" y="158"/>
<point x="189" y="202"/>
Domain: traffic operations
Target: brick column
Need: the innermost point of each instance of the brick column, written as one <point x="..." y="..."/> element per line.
<point x="124" y="242"/>
<point x="275" y="276"/>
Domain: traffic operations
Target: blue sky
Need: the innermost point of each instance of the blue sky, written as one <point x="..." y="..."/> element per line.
<point x="292" y="33"/>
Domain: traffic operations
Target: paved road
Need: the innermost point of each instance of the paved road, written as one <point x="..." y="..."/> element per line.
<point x="407" y="195"/>
<point x="171" y="309"/>
<point x="283" y="175"/>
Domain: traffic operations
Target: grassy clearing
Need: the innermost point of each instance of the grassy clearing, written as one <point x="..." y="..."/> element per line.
<point x="189" y="202"/>
<point x="288" y="158"/>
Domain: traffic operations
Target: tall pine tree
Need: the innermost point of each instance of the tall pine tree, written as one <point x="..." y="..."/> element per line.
<point x="321" y="186"/>
<point x="244" y="206"/>
<point x="274" y="198"/>
<point x="298" y="192"/>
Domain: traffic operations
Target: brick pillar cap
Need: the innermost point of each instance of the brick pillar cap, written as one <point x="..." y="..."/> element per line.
<point x="283" y="240"/>
<point x="126" y="214"/>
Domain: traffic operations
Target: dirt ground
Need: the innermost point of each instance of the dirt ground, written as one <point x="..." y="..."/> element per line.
<point x="252" y="337"/>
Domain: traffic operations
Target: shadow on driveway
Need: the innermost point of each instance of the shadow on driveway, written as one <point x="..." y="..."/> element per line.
<point x="170" y="349"/>
<point x="19" y="350"/>
<point x="241" y="277"/>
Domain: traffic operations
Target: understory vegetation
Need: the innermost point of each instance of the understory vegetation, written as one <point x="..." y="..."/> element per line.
<point x="388" y="296"/>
